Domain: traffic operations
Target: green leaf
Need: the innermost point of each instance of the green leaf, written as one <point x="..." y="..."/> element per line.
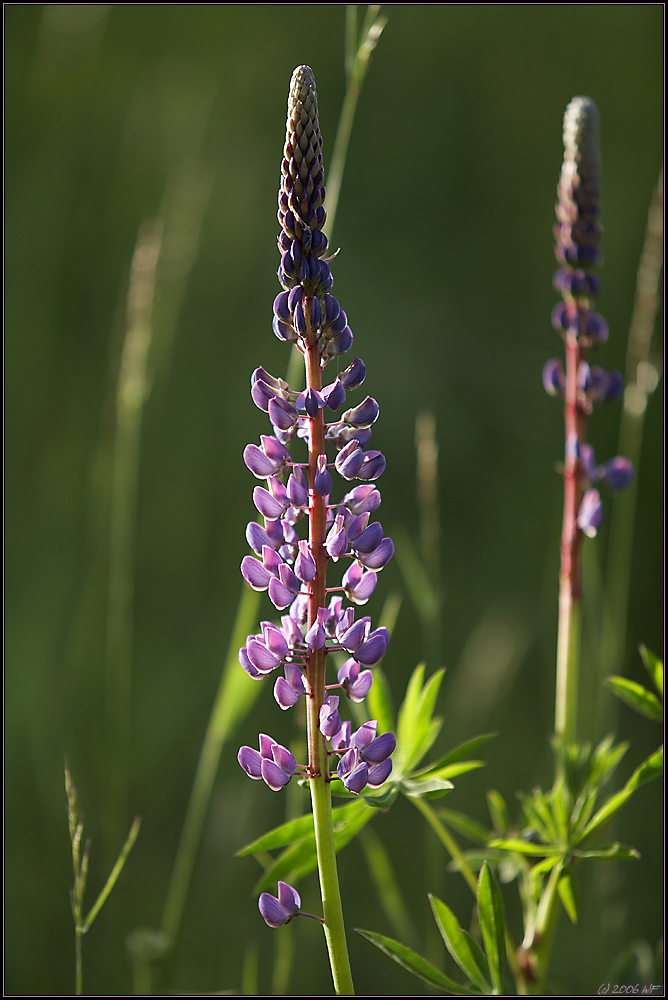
<point x="300" y="859"/>
<point x="569" y="894"/>
<point x="426" y="788"/>
<point x="462" y="750"/>
<point x="298" y="829"/>
<point x="463" y="824"/>
<point x="516" y="844"/>
<point x="498" y="811"/>
<point x="616" y="852"/>
<point x="653" y="665"/>
<point x="416" y="730"/>
<point x="450" y="770"/>
<point x="650" y="768"/>
<point x="478" y="955"/>
<point x="456" y="943"/>
<point x="636" y="696"/>
<point x="490" y="914"/>
<point x="412" y="962"/>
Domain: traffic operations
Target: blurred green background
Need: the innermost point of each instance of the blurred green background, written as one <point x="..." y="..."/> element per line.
<point x="118" y="115"/>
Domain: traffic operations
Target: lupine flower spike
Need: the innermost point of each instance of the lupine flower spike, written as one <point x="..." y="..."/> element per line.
<point x="580" y="385"/>
<point x="314" y="489"/>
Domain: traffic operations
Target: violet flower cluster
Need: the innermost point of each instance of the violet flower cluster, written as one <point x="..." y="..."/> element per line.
<point x="581" y="385"/>
<point x="292" y="567"/>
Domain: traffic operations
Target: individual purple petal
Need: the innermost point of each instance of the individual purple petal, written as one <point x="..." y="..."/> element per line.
<point x="356" y="684"/>
<point x="380" y="556"/>
<point x="259" y="464"/>
<point x="590" y="514"/>
<point x="284" y="759"/>
<point x="356" y="525"/>
<point x="295" y="678"/>
<point x="262" y="658"/>
<point x="255" y="573"/>
<point x="354" y="374"/>
<point x="618" y="473"/>
<point x="379" y="773"/>
<point x="554" y="381"/>
<point x="274" y="914"/>
<point x="274" y="530"/>
<point x="274" y="776"/>
<point x="334" y="395"/>
<point x="262" y="394"/>
<point x="297" y="493"/>
<point x="266" y="503"/>
<point x="274" y="450"/>
<point x="323" y="480"/>
<point x="362" y="415"/>
<point x="284" y="694"/>
<point x="248" y="666"/>
<point x="341" y="343"/>
<point x="305" y="567"/>
<point x="316" y="636"/>
<point x="379" y="749"/>
<point x="355" y="636"/>
<point x="373" y="649"/>
<point x="365" y="735"/>
<point x="274" y="639"/>
<point x="341" y="740"/>
<point x="363" y="589"/>
<point x="353" y="771"/>
<point x="615" y="386"/>
<point x="373" y="465"/>
<point x="330" y="721"/>
<point x="336" y="542"/>
<point x="369" y="540"/>
<point x="251" y="761"/>
<point x="279" y="595"/>
<point x="256" y="537"/>
<point x="289" y="898"/>
<point x="364" y="498"/>
<point x="349" y="460"/>
<point x="588" y="462"/>
<point x="291" y="631"/>
<point x="281" y="413"/>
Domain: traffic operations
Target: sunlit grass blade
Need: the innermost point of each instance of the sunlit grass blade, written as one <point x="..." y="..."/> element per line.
<point x="299" y="829"/>
<point x="654" y="667"/>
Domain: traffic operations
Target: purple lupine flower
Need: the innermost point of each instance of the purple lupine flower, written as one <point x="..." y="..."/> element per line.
<point x="330" y="721"/>
<point x="288" y="689"/>
<point x="292" y="568"/>
<point x="355" y="682"/>
<point x="274" y="763"/>
<point x="590" y="514"/>
<point x="277" y="912"/>
<point x="353" y="771"/>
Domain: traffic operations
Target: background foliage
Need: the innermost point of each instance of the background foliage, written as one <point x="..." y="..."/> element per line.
<point x="116" y="114"/>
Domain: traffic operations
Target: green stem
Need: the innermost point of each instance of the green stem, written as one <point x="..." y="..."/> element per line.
<point x="335" y="935"/>
<point x="321" y="798"/>
<point x="78" y="963"/>
<point x="452" y="847"/>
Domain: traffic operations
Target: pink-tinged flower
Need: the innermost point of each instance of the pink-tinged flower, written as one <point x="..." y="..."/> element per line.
<point x="356" y="683"/>
<point x="277" y="912"/>
<point x="590" y="514"/>
<point x="330" y="721"/>
<point x="274" y="763"/>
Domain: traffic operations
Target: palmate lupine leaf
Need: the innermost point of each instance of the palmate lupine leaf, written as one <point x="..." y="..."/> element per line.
<point x="569" y="894"/>
<point x="299" y="860"/>
<point x="650" y="768"/>
<point x="299" y="829"/>
<point x="419" y="966"/>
